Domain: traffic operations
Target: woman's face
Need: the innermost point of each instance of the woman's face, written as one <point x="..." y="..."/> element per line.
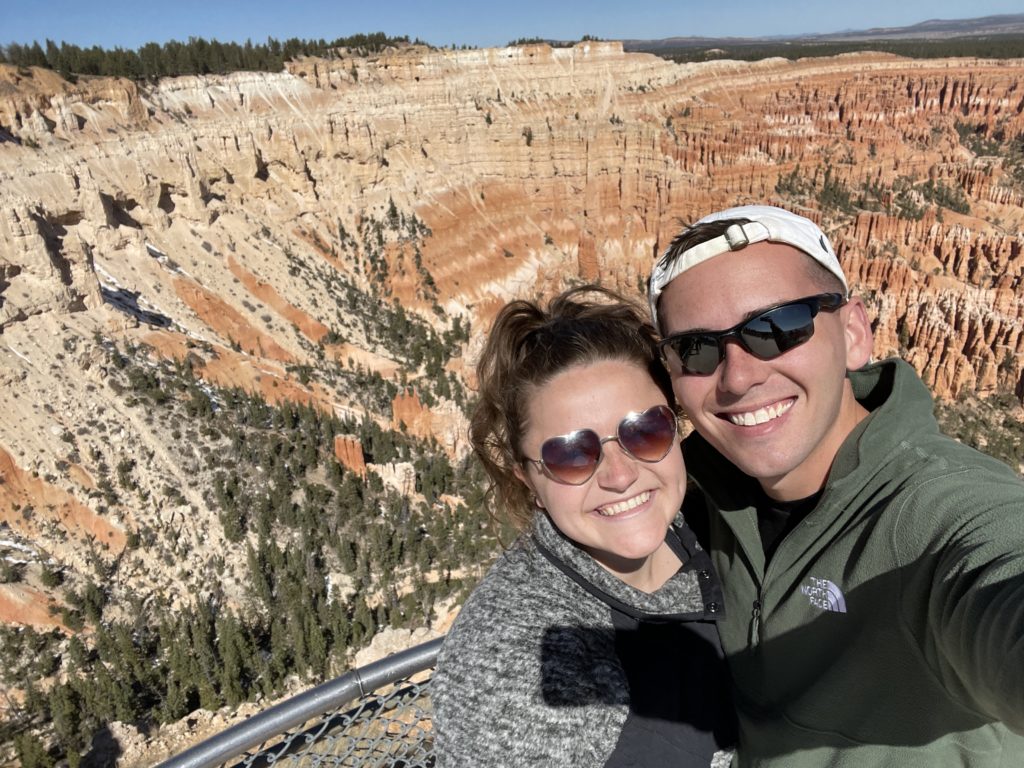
<point x="620" y="515"/>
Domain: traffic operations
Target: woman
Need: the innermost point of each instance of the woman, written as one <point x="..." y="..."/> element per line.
<point x="592" y="640"/>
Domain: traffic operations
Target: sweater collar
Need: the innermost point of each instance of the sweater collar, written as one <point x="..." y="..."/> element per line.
<point x="685" y="593"/>
<point x="898" y="403"/>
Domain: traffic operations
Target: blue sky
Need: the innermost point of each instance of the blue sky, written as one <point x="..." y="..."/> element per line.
<point x="129" y="24"/>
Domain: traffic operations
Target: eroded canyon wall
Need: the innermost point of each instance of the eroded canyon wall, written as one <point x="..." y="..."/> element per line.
<point x="229" y="222"/>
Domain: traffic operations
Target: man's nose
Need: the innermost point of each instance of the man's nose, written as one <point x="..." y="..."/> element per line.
<point x="739" y="369"/>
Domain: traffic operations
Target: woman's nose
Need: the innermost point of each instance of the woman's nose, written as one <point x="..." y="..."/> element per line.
<point x="617" y="470"/>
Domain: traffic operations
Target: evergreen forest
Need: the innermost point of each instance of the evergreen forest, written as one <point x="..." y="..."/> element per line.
<point x="196" y="56"/>
<point x="331" y="557"/>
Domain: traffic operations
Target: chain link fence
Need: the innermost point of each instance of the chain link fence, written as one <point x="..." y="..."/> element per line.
<point x="377" y="716"/>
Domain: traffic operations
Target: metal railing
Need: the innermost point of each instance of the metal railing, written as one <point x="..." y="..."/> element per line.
<point x="377" y="716"/>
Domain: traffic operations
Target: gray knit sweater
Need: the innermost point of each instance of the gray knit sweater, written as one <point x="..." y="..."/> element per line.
<point x="555" y="661"/>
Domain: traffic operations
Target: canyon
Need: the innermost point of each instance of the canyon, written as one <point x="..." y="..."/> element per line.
<point x="231" y="224"/>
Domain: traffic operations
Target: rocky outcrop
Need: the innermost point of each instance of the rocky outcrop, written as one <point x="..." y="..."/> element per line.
<point x="40" y="106"/>
<point x="951" y="304"/>
<point x="25" y="605"/>
<point x="349" y="451"/>
<point x="41" y="270"/>
<point x="408" y="414"/>
<point x="29" y="505"/>
<point x="444" y="422"/>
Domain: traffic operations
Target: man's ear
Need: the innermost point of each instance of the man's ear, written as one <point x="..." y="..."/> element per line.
<point x="860" y="340"/>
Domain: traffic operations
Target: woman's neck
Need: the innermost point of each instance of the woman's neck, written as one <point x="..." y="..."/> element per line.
<point x="648" y="574"/>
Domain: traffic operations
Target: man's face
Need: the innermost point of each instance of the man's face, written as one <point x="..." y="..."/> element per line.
<point x="780" y="421"/>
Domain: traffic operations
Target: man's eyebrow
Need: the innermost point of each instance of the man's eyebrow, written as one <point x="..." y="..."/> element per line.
<point x="746" y="319"/>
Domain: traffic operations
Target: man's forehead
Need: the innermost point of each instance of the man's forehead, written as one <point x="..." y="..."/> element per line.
<point x="732" y="286"/>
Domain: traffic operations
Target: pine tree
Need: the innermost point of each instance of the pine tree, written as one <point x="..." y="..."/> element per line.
<point x="66" y="707"/>
<point x="31" y="753"/>
<point x="234" y="656"/>
<point x="174" y="705"/>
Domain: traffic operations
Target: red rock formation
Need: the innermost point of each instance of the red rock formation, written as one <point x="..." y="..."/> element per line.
<point x="29" y="504"/>
<point x="229" y="323"/>
<point x="24" y="605"/>
<point x="310" y="328"/>
<point x="349" y="451"/>
<point x="227" y="368"/>
<point x="409" y="415"/>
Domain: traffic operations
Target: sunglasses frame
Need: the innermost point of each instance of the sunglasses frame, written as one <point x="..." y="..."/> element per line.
<point x="822" y="302"/>
<point x="617" y="437"/>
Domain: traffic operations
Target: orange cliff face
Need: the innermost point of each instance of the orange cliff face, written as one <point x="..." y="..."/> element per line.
<point x="34" y="509"/>
<point x="29" y="504"/>
<point x="239" y="224"/>
<point x="349" y="452"/>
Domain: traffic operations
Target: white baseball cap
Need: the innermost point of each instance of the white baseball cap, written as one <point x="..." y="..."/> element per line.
<point x="766" y="223"/>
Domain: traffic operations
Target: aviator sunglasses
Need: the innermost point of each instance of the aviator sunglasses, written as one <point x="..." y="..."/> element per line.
<point x="572" y="459"/>
<point x="770" y="333"/>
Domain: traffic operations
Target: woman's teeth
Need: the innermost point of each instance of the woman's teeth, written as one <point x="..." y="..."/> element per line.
<point x="624" y="506"/>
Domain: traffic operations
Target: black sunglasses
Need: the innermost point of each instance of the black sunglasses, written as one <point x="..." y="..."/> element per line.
<point x="572" y="459"/>
<point x="770" y="333"/>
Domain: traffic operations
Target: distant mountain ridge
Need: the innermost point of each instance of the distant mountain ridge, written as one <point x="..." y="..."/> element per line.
<point x="932" y="29"/>
<point x="937" y="29"/>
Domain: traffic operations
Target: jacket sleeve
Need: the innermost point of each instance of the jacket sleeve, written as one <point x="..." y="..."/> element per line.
<point x="512" y="690"/>
<point x="977" y="598"/>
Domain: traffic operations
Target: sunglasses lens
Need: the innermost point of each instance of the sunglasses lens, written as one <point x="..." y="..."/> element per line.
<point x="702" y="356"/>
<point x="648" y="435"/>
<point x="692" y="353"/>
<point x="572" y="458"/>
<point x="778" y="330"/>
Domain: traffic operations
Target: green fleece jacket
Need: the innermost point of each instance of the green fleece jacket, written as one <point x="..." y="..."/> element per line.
<point x="888" y="628"/>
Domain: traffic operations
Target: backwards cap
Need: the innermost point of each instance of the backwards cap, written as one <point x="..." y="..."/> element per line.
<point x="766" y="223"/>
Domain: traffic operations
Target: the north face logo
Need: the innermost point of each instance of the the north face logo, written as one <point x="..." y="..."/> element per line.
<point x="824" y="594"/>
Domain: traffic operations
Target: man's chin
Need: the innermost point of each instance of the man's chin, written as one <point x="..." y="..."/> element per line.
<point x="767" y="473"/>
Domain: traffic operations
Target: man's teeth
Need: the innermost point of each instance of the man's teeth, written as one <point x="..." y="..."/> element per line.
<point x="761" y="415"/>
<point x="624" y="506"/>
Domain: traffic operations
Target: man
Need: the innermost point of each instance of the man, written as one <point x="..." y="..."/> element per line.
<point x="874" y="596"/>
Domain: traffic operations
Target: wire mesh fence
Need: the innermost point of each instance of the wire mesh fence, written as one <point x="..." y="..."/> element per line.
<point x="378" y="716"/>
